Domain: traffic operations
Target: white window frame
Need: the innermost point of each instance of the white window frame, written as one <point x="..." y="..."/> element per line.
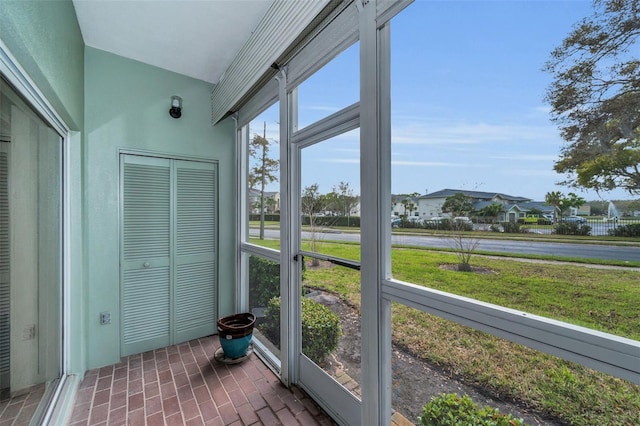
<point x="604" y="352"/>
<point x="13" y="72"/>
<point x="601" y="351"/>
<point x="261" y="102"/>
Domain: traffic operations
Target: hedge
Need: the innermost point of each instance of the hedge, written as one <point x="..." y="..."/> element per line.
<point x="570" y="228"/>
<point x="350" y="221"/>
<point x="264" y="281"/>
<point x="321" y="329"/>
<point x="267" y="217"/>
<point x="631" y="230"/>
<point x="450" y="409"/>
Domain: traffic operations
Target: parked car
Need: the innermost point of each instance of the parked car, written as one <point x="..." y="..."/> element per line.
<point x="534" y="219"/>
<point x="543" y="220"/>
<point x="395" y="221"/>
<point x="574" y="219"/>
<point x="435" y="219"/>
<point x="462" y="219"/>
<point x="416" y="219"/>
<point x="434" y="222"/>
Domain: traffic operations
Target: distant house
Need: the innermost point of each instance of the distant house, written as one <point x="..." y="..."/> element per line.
<point x="271" y="201"/>
<point x="403" y="204"/>
<point x="519" y="210"/>
<point x="514" y="207"/>
<point x="430" y="205"/>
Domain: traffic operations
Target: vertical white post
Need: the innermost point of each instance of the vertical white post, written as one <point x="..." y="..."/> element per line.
<point x="289" y="267"/>
<point x="242" y="234"/>
<point x="375" y="226"/>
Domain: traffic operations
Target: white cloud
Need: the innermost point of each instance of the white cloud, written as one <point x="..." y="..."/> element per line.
<point x="430" y="164"/>
<point x="347" y="150"/>
<point x="526" y="157"/>
<point x="341" y="160"/>
<point x="327" y="108"/>
<point x="543" y="109"/>
<point x="532" y="173"/>
<point x="424" y="132"/>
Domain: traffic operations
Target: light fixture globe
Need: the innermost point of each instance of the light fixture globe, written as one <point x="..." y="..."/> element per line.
<point x="176" y="107"/>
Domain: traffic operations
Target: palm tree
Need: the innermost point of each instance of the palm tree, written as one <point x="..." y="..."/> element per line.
<point x="554" y="199"/>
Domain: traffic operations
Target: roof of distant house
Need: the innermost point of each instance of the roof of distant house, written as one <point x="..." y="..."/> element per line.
<point x="478" y="195"/>
<point x="540" y="205"/>
<point x="398" y="198"/>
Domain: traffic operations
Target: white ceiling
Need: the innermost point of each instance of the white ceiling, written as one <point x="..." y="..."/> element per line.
<point x="195" y="38"/>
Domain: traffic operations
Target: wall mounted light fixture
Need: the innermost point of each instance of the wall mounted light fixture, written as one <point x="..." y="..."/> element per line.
<point x="176" y="107"/>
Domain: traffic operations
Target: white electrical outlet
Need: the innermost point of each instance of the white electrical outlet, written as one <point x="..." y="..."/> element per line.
<point x="29" y="332"/>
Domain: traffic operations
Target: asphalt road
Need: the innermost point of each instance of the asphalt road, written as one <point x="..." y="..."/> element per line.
<point x="590" y="251"/>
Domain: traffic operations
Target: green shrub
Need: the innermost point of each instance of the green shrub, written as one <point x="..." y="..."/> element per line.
<point x="511" y="227"/>
<point x="571" y="228"/>
<point x="410" y="224"/>
<point x="442" y="224"/>
<point x="264" y="281"/>
<point x="450" y="409"/>
<point x="447" y="224"/>
<point x="321" y="329"/>
<point x="495" y="228"/>
<point x="270" y="217"/>
<point x="631" y="230"/>
<point x="350" y="221"/>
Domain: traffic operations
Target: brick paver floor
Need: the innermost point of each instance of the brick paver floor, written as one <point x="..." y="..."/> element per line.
<point x="185" y="385"/>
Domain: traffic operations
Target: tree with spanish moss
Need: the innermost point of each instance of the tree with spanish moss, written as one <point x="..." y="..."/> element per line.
<point x="263" y="172"/>
<point x="595" y="98"/>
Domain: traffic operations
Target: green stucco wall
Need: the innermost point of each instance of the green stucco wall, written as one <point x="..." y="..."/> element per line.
<point x="111" y="103"/>
<point x="126" y="106"/>
<point x="45" y="38"/>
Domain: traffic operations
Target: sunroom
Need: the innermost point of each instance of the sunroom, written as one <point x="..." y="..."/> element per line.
<point x="128" y="228"/>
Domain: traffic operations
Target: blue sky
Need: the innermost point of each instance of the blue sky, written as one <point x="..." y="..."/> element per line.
<point x="468" y="108"/>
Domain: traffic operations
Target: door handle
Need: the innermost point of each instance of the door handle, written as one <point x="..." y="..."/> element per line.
<point x="146" y="265"/>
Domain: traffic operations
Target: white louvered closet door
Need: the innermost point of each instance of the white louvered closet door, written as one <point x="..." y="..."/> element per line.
<point x="195" y="250"/>
<point x="146" y="254"/>
<point x="4" y="267"/>
<point x="168" y="251"/>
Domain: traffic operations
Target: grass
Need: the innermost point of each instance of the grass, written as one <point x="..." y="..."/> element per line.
<point x="606" y="300"/>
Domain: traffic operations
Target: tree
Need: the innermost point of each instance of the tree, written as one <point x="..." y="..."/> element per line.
<point x="342" y="200"/>
<point x="492" y="211"/>
<point x="459" y="205"/>
<point x="573" y="200"/>
<point x="554" y="199"/>
<point x="409" y="203"/>
<point x="561" y="203"/>
<point x="598" y="208"/>
<point x="595" y="98"/>
<point x="269" y="204"/>
<point x="263" y="172"/>
<point x="348" y="201"/>
<point x="312" y="203"/>
<point x="633" y="206"/>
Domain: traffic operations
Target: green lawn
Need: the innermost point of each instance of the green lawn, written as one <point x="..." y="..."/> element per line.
<point x="602" y="299"/>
